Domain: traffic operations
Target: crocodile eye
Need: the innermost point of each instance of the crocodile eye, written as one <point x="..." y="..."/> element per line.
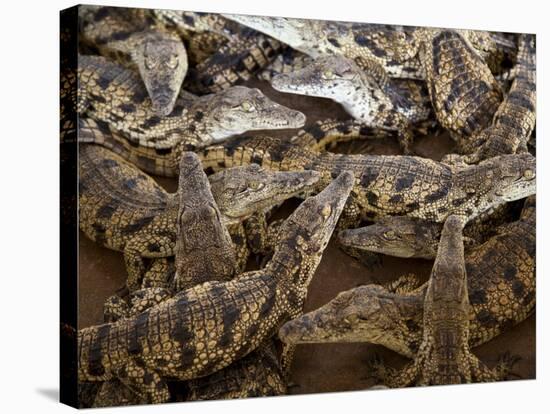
<point x="172" y="63"/>
<point x="150" y="63"/>
<point x="529" y="174"/>
<point x="256" y="185"/>
<point x="328" y="74"/>
<point x="248" y="107"/>
<point x="325" y="212"/>
<point x="390" y="235"/>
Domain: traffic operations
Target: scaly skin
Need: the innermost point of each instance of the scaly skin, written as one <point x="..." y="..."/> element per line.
<point x="206" y="328"/>
<point x="108" y="92"/>
<point x="290" y="60"/>
<point x="377" y="106"/>
<point x="241" y="54"/>
<point x="391" y="49"/>
<point x="391" y="185"/>
<point x="320" y="136"/>
<point x="408" y="237"/>
<point x="463" y="91"/>
<point x="158" y="54"/>
<point x="124" y="209"/>
<point x="501" y="289"/>
<point x="387" y="48"/>
<point x="514" y="122"/>
<point x="258" y="374"/>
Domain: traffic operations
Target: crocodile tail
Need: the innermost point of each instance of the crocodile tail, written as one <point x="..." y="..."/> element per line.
<point x="235" y="62"/>
<point x="149" y="160"/>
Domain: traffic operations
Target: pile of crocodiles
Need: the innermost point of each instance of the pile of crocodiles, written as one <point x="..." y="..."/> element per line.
<point x="216" y="286"/>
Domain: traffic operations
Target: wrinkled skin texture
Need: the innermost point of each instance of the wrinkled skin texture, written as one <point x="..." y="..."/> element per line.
<point x="464" y="93"/>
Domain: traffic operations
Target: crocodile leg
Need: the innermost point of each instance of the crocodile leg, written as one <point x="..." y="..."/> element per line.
<point x="160" y="273"/>
<point x="257" y="233"/>
<point x="115" y="308"/>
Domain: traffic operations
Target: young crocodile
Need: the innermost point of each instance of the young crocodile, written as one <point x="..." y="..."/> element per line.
<point x="111" y="93"/>
<point x="391" y="50"/>
<point x="132" y="34"/>
<point x="392" y="106"/>
<point x="444" y="355"/>
<point x="204" y="329"/>
<point x="124" y="209"/>
<point x="241" y="51"/>
<point x="318" y="137"/>
<point x="204" y="248"/>
<point x="391" y="185"/>
<point x="408" y="237"/>
<point x="501" y="289"/>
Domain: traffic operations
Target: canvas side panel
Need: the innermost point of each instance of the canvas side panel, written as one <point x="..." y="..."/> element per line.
<point x="68" y="209"/>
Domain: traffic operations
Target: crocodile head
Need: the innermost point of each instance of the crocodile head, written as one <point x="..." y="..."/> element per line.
<point x="239" y="109"/>
<point x="364" y="314"/>
<point x="333" y="77"/>
<point x="162" y="63"/>
<point x="307" y="231"/>
<point x="502" y="179"/>
<point x="242" y="191"/>
<point x="399" y="236"/>
<point x="204" y="248"/>
<point x="300" y="34"/>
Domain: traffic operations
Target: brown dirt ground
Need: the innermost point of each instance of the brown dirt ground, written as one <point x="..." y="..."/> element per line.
<point x="317" y="367"/>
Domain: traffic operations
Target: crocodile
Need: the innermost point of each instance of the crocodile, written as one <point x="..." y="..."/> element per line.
<point x="320" y="136"/>
<point x="514" y="121"/>
<point x="241" y="51"/>
<point x="203" y="246"/>
<point x="391" y="185"/>
<point x="288" y="61"/>
<point x="124" y="209"/>
<point x="444" y="355"/>
<point x="113" y="94"/>
<point x="392" y="105"/>
<point x="386" y="47"/>
<point x="501" y="289"/>
<point x="204" y="329"/>
<point x="133" y="37"/>
<point x="409" y="237"/>
<point x="392" y="49"/>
